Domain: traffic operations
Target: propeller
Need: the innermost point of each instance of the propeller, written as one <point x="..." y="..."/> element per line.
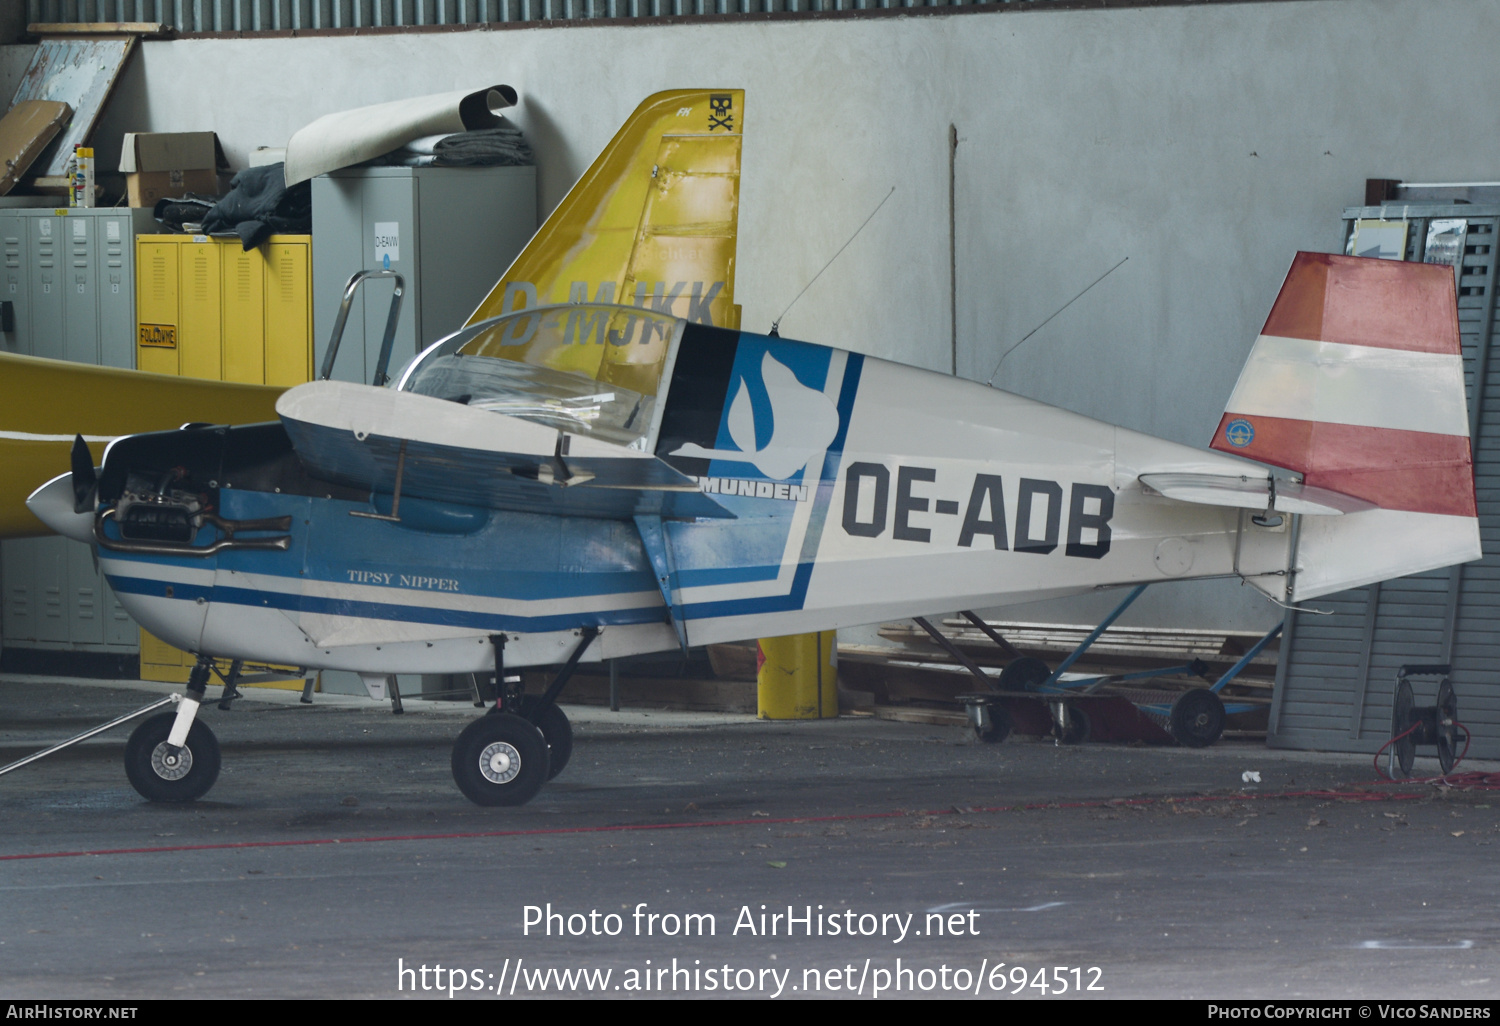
<point x="85" y="481"/>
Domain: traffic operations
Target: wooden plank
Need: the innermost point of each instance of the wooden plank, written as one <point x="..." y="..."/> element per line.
<point x="914" y="714"/>
<point x="145" y="29"/>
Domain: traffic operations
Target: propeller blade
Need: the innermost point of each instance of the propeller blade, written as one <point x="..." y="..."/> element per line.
<point x="85" y="480"/>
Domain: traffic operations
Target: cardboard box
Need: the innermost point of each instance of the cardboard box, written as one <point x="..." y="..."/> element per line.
<point x="25" y="131"/>
<point x="163" y="164"/>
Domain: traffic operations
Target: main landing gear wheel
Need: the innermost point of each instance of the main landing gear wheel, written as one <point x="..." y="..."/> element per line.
<point x="162" y="776"/>
<point x="500" y="760"/>
<point x="1023" y="674"/>
<point x="999" y="726"/>
<point x="554" y="725"/>
<point x="1197" y="718"/>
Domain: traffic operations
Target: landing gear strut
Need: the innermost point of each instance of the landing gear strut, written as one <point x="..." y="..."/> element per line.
<point x="505" y="756"/>
<point x="171" y="757"/>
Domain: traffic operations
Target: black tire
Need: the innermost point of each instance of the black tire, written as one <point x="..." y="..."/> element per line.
<point x="146" y="761"/>
<point x="1023" y="674"/>
<point x="1197" y="718"/>
<point x="500" y="760"/>
<point x="1079" y="727"/>
<point x="999" y="728"/>
<point x="1447" y="731"/>
<point x="1402" y="719"/>
<point x="555" y="727"/>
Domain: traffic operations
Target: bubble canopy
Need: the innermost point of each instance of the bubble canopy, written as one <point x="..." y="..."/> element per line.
<point x="584" y="368"/>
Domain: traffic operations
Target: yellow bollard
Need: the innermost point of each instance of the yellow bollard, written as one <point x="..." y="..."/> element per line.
<point x="797" y="677"/>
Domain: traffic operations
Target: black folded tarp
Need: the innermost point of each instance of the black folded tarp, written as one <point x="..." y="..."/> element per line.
<point x="259" y="205"/>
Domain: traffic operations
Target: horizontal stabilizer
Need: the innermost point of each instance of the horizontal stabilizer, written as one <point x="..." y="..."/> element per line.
<point x="1246" y="492"/>
<point x="356" y="434"/>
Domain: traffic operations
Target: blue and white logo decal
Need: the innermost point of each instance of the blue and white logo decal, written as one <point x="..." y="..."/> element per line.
<point x="1239" y="433"/>
<point x="780" y="426"/>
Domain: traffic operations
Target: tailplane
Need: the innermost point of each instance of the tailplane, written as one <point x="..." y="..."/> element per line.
<point x="1357" y="383"/>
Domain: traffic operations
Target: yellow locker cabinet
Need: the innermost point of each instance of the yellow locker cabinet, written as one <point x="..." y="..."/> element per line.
<point x="207" y="308"/>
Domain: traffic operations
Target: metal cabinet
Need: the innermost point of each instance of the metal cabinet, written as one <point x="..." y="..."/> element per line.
<point x="208" y="308"/>
<point x="68" y="274"/>
<point x="450" y="231"/>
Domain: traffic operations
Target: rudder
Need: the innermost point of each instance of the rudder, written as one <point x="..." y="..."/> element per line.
<point x="1357" y="382"/>
<point x="652" y="222"/>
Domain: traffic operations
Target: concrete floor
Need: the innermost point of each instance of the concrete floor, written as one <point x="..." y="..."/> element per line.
<point x="335" y="851"/>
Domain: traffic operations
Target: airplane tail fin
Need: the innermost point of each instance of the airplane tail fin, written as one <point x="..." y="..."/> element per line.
<point x="1357" y="382"/>
<point x="652" y="222"/>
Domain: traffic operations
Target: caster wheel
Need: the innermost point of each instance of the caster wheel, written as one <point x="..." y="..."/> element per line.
<point x="1197" y="718"/>
<point x="1078" y="728"/>
<point x="999" y="727"/>
<point x="159" y="775"/>
<point x="1024" y="674"/>
<point x="555" y="728"/>
<point x="500" y="760"/>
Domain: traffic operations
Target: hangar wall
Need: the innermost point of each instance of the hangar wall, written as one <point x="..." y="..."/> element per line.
<point x="1206" y="143"/>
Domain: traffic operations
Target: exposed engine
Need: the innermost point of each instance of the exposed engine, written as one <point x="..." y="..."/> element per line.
<point x="152" y="509"/>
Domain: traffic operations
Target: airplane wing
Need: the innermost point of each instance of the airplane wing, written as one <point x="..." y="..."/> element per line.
<point x="356" y="435"/>
<point x="45" y="403"/>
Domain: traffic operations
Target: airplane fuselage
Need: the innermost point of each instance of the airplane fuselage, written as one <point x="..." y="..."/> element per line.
<point x="984" y="498"/>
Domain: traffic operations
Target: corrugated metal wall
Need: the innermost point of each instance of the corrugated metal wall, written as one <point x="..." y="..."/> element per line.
<point x="301" y="15"/>
<point x="1337" y="672"/>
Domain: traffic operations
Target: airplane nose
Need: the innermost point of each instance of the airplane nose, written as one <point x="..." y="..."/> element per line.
<point x="53" y="503"/>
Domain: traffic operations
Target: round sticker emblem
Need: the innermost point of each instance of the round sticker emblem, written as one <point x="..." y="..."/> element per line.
<point x="1239" y="433"/>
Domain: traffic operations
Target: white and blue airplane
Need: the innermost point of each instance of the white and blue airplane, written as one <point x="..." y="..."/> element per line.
<point x="581" y="480"/>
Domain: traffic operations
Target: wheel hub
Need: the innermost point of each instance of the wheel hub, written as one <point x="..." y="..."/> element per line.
<point x="499" y="763"/>
<point x="169" y="765"/>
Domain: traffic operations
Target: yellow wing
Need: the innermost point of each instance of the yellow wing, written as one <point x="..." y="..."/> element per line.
<point x="45" y="403"/>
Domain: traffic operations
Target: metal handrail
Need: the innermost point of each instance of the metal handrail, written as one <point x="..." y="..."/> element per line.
<point x="386" y="342"/>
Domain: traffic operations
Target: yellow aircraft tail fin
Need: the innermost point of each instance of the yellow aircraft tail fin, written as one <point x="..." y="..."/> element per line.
<point x="651" y="223"/>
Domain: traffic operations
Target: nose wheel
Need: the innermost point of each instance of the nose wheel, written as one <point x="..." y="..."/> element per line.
<point x="164" y="774"/>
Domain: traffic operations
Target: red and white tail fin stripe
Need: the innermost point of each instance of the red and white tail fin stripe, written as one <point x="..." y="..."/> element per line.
<point x="1357" y="382"/>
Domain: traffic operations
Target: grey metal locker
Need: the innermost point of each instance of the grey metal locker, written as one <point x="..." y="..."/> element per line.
<point x="115" y="246"/>
<point x="70" y="274"/>
<point x="18" y="574"/>
<point x="52" y="605"/>
<point x="46" y="300"/>
<point x="16" y="283"/>
<point x="450" y="232"/>
<point x="80" y="296"/>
